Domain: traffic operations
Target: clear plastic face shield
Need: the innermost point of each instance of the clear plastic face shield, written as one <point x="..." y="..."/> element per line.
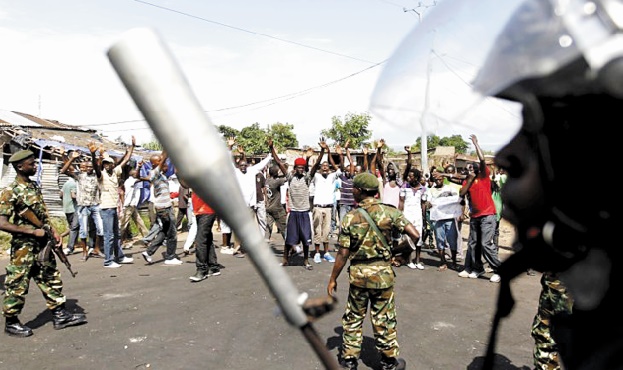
<point x="443" y="76"/>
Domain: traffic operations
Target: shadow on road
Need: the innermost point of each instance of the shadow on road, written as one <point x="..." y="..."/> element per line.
<point x="500" y="363"/>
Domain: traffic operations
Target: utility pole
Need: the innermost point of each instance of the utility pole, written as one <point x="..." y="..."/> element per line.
<point x="423" y="124"/>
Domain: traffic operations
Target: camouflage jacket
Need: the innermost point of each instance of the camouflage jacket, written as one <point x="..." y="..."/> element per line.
<point x="370" y="265"/>
<point x="20" y="195"/>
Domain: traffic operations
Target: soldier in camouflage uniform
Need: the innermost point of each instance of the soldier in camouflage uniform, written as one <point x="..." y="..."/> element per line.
<point x="554" y="300"/>
<point x="27" y="241"/>
<point x="371" y="276"/>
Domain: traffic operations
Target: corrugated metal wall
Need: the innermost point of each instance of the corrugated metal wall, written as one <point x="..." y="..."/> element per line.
<point x="50" y="186"/>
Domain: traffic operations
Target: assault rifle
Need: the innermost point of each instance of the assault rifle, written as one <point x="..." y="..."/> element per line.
<point x="50" y="245"/>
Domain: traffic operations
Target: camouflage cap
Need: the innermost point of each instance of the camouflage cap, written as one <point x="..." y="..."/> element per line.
<point x="20" y="156"/>
<point x="366" y="181"/>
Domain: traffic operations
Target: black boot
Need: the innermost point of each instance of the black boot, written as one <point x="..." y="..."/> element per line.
<point x="392" y="363"/>
<point x="63" y="319"/>
<point x="349" y="363"/>
<point x="15" y="328"/>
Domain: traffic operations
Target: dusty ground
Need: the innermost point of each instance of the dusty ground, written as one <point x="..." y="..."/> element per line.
<point x="150" y="316"/>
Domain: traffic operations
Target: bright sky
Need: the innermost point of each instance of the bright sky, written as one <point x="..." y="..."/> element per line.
<point x="299" y="62"/>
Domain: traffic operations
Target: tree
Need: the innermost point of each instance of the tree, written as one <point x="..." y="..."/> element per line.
<point x="353" y="128"/>
<point x="227" y="131"/>
<point x="283" y="135"/>
<point x="460" y="145"/>
<point x="433" y="141"/>
<point x="253" y="139"/>
<point x="154" y="145"/>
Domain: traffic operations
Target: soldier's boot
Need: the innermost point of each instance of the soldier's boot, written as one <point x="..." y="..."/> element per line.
<point x="15" y="328"/>
<point x="349" y="363"/>
<point x="63" y="319"/>
<point x="392" y="363"/>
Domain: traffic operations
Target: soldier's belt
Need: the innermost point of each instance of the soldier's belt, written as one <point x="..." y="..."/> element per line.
<point x="371" y="262"/>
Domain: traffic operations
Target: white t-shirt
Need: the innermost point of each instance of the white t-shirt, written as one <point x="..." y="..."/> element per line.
<point x="132" y="188"/>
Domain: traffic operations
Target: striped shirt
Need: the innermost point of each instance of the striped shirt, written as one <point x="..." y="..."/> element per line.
<point x="346" y="191"/>
<point x="162" y="196"/>
<point x="298" y="192"/>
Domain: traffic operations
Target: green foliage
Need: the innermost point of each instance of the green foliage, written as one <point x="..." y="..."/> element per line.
<point x="227" y="131"/>
<point x="283" y="135"/>
<point x="460" y="145"/>
<point x="154" y="145"/>
<point x="433" y="141"/>
<point x="353" y="128"/>
<point x="253" y="139"/>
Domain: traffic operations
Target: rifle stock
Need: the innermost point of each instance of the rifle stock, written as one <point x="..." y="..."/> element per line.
<point x="50" y="245"/>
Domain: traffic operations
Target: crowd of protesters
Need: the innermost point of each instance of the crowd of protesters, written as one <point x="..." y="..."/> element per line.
<point x="304" y="201"/>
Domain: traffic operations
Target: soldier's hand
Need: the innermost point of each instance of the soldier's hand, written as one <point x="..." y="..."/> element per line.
<point x="59" y="240"/>
<point x="38" y="233"/>
<point x="332" y="288"/>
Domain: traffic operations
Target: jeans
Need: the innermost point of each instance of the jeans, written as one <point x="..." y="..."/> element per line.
<point x="480" y="243"/>
<point x="344" y="209"/>
<point x="92" y="212"/>
<point x="112" y="241"/>
<point x="166" y="218"/>
<point x="446" y="232"/>
<point x="74" y="229"/>
<point x="260" y="213"/>
<point x="205" y="253"/>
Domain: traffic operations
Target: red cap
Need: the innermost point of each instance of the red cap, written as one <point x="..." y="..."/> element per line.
<point x="300" y="162"/>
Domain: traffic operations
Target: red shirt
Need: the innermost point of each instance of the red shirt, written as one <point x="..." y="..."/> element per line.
<point x="480" y="197"/>
<point x="199" y="206"/>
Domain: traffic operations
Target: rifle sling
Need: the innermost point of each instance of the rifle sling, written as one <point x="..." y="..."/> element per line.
<point x="375" y="228"/>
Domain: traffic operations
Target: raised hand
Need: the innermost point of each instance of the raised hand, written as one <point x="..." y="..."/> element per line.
<point x="92" y="147"/>
<point x="231" y="141"/>
<point x="309" y="152"/>
<point x="133" y="141"/>
<point x="380" y="144"/>
<point x="75" y="154"/>
<point x="323" y="143"/>
<point x="365" y="150"/>
<point x="338" y="149"/>
<point x="270" y="142"/>
<point x="408" y="148"/>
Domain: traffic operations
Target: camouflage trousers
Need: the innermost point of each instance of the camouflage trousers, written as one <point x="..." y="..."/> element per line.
<point x="24" y="266"/>
<point x="554" y="299"/>
<point x="382" y="315"/>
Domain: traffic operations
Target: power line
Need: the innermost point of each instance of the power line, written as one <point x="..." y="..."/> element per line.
<point x="272" y="101"/>
<point x="253" y="32"/>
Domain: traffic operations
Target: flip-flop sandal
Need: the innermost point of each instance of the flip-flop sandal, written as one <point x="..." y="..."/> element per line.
<point x="442" y="268"/>
<point x="308" y="267"/>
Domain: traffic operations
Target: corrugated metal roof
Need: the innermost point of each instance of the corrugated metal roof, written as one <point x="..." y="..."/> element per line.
<point x="8" y="118"/>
